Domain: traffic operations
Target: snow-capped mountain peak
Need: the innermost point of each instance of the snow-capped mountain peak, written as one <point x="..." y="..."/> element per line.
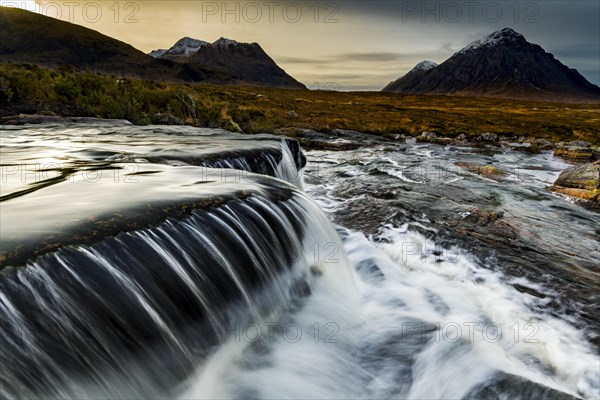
<point x="158" y="53"/>
<point x="187" y="46"/>
<point x="184" y="47"/>
<point x="505" y="35"/>
<point x="425" y="65"/>
<point x="225" y="42"/>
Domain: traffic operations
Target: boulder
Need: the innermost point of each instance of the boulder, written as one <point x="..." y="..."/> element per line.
<point x="575" y="150"/>
<point x="167" y="119"/>
<point x="580" y="143"/>
<point x="580" y="181"/>
<point x="543" y="144"/>
<point x="586" y="176"/>
<point x="487" y="137"/>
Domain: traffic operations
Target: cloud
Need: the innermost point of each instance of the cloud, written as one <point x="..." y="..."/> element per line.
<point x="307" y="60"/>
<point x="370" y="57"/>
<point x="374" y="57"/>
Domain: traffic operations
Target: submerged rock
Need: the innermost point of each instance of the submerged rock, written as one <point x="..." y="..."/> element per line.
<point x="432" y="137"/>
<point x="504" y="385"/>
<point x="488" y="171"/>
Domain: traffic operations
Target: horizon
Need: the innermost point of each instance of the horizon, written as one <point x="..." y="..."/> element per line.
<point x="368" y="44"/>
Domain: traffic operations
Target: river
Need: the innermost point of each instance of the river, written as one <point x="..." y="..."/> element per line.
<point x="194" y="263"/>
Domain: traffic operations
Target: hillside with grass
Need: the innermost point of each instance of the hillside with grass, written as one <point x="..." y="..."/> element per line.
<point x="31" y="89"/>
<point x="28" y="37"/>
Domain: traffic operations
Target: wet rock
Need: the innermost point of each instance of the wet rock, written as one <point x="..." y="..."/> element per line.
<point x="324" y="144"/>
<point x="488" y="225"/>
<point x="167" y="119"/>
<point x="383" y="194"/>
<point x="487" y="137"/>
<point x="543" y="144"/>
<point x="580" y="143"/>
<point x="585" y="176"/>
<point x="483" y="217"/>
<point x="297" y="132"/>
<point x="432" y="137"/>
<point x="461" y="137"/>
<point x="575" y="150"/>
<point x="354" y="135"/>
<point x="580" y="181"/>
<point x="531" y="149"/>
<point x="488" y="171"/>
<point x="529" y="291"/>
<point x="508" y="386"/>
<point x="427" y="137"/>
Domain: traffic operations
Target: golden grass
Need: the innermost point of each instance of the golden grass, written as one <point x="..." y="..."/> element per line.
<point x="261" y="109"/>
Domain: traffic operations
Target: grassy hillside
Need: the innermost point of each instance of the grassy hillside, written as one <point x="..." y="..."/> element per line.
<point x="31" y="89"/>
<point x="27" y="37"/>
<point x="31" y="37"/>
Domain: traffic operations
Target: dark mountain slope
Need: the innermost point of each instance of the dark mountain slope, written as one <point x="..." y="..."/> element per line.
<point x="504" y="64"/>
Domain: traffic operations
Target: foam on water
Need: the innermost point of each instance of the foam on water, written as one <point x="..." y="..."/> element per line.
<point x="426" y="323"/>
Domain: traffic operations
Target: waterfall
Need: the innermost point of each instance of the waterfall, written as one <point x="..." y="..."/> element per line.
<point x="92" y="321"/>
<point x="127" y="289"/>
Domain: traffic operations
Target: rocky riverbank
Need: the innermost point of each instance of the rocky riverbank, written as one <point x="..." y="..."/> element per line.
<point x="37" y="119"/>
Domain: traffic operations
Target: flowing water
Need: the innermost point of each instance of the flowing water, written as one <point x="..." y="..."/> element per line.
<point x="194" y="263"/>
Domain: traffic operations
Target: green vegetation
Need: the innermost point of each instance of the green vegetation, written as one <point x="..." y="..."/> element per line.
<point x="31" y="89"/>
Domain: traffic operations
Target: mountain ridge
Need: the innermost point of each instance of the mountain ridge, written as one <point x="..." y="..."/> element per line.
<point x="248" y="61"/>
<point x="28" y="37"/>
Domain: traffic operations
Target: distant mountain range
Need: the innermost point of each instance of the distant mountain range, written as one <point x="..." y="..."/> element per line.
<point x="503" y="64"/>
<point x="27" y="37"/>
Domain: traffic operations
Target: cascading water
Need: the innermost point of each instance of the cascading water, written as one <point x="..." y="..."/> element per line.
<point x="133" y="315"/>
<point x="202" y="279"/>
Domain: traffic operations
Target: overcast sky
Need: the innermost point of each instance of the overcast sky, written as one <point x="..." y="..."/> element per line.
<point x="349" y="45"/>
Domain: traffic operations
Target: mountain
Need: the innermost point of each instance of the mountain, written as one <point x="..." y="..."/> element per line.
<point x="423" y="66"/>
<point x="34" y="38"/>
<point x="503" y="64"/>
<point x="183" y="48"/>
<point x="27" y="37"/>
<point x="245" y="61"/>
<point x="412" y="77"/>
